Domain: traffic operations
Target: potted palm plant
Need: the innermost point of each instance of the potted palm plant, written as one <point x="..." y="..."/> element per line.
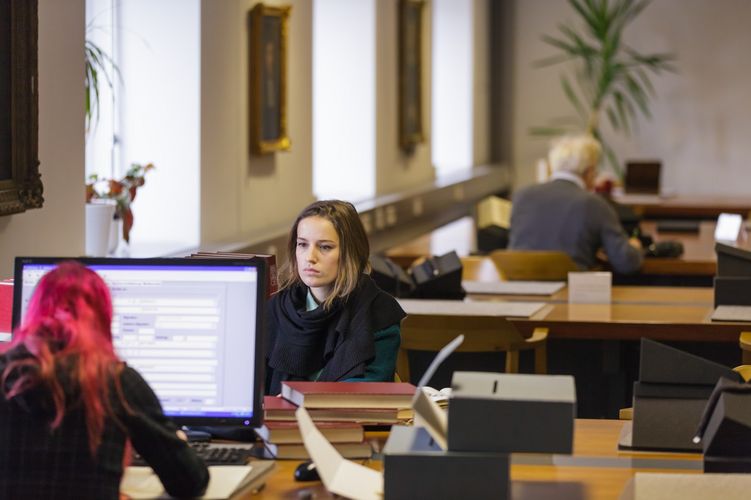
<point x="609" y="76"/>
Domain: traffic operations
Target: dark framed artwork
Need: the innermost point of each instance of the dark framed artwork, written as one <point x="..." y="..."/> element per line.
<point x="410" y="74"/>
<point x="20" y="182"/>
<point x="268" y="79"/>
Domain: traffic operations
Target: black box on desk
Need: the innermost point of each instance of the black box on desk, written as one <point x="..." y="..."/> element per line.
<point x="670" y="396"/>
<point x="732" y="291"/>
<point x="727" y="437"/>
<point x="666" y="416"/>
<point x="508" y="413"/>
<point x="732" y="260"/>
<point x="416" y="467"/>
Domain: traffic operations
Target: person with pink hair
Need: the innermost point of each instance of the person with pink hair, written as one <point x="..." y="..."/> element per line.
<point x="70" y="409"/>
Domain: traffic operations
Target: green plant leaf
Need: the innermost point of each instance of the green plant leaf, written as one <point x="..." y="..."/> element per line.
<point x="571" y="95"/>
<point x="547" y="131"/>
<point x="613" y="118"/>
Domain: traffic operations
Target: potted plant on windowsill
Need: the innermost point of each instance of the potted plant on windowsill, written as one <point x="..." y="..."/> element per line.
<point x="609" y="76"/>
<point x="122" y="191"/>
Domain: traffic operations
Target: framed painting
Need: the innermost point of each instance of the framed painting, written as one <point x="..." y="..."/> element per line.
<point x="410" y="74"/>
<point x="20" y="182"/>
<point x="268" y="79"/>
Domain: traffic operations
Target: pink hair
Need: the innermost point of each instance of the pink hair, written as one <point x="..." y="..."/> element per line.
<point x="68" y="325"/>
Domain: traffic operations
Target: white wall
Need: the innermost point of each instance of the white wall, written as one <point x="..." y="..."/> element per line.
<point x="700" y="115"/>
<point x="57" y="228"/>
<point x="240" y="193"/>
<point x="481" y="84"/>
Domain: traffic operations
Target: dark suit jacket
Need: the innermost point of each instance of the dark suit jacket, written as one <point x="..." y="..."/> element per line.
<point x="559" y="215"/>
<point x="37" y="462"/>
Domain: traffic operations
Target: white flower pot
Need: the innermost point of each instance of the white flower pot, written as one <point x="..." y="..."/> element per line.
<point x="99" y="214"/>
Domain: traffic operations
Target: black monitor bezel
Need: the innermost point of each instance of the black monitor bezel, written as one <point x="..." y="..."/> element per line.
<point x="258" y="390"/>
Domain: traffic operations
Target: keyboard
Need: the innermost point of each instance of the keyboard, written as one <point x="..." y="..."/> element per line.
<point x="213" y="454"/>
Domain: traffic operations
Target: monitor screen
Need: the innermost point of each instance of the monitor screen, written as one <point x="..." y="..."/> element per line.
<point x="642" y="177"/>
<point x="191" y="327"/>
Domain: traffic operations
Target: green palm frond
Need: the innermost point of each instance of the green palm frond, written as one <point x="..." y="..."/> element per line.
<point x="98" y="64"/>
<point x="610" y="77"/>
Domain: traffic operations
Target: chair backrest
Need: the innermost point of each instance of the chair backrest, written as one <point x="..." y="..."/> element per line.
<point x="432" y="332"/>
<point x="537" y="265"/>
<point x="477" y="268"/>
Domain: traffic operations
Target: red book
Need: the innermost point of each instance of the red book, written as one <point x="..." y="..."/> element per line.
<point x="279" y="409"/>
<point x="6" y="308"/>
<point x="288" y="432"/>
<point x="349" y="394"/>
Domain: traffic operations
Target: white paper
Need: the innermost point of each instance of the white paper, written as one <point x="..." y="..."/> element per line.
<point x="469" y="308"/>
<point x="513" y="287"/>
<point x="142" y="482"/>
<point x="427" y="412"/>
<point x="589" y="288"/>
<point x="728" y="227"/>
<point x="732" y="313"/>
<point x="430" y="416"/>
<point x="340" y="476"/>
<point x="688" y="486"/>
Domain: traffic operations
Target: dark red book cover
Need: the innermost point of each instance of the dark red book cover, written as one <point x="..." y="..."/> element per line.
<point x="349" y="394"/>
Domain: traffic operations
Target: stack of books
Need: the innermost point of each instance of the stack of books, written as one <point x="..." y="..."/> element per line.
<point x="340" y="409"/>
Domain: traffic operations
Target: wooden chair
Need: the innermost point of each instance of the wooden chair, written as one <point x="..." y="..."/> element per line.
<point x="476" y="268"/>
<point x="481" y="334"/>
<point x="745" y="343"/>
<point x="533" y="265"/>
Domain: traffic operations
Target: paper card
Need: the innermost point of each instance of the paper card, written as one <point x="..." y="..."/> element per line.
<point x="427" y="412"/>
<point x="589" y="287"/>
<point x="494" y="211"/>
<point x="687" y="486"/>
<point x="340" y="476"/>
<point x="729" y="227"/>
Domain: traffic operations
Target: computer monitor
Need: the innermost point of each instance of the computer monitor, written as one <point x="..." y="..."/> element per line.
<point x="192" y="327"/>
<point x="642" y="177"/>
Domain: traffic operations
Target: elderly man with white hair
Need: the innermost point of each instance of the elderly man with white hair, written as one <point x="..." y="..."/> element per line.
<point x="562" y="214"/>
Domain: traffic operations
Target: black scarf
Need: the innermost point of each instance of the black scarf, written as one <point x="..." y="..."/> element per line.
<point x="338" y="341"/>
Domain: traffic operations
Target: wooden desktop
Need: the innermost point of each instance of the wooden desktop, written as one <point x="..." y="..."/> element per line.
<point x="684" y="206"/>
<point x="596" y="470"/>
<point x="698" y="257"/>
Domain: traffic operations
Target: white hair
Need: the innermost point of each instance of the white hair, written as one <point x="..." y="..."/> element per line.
<point x="574" y="153"/>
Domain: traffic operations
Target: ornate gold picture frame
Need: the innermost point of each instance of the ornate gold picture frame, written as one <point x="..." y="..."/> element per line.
<point x="268" y="79"/>
<point x="410" y="74"/>
<point x="20" y="182"/>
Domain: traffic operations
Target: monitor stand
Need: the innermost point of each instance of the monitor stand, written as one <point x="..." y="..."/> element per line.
<point x="195" y="435"/>
<point x="230" y="433"/>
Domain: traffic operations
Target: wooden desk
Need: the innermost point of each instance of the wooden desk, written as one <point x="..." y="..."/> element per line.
<point x="645" y="295"/>
<point x="698" y="258"/>
<point x="596" y="470"/>
<point x="696" y="207"/>
<point x="666" y="322"/>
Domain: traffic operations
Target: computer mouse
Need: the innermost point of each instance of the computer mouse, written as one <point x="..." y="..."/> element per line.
<point x="307" y="471"/>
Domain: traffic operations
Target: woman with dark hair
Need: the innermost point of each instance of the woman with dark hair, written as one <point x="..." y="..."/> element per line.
<point x="329" y="321"/>
<point x="70" y="409"/>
